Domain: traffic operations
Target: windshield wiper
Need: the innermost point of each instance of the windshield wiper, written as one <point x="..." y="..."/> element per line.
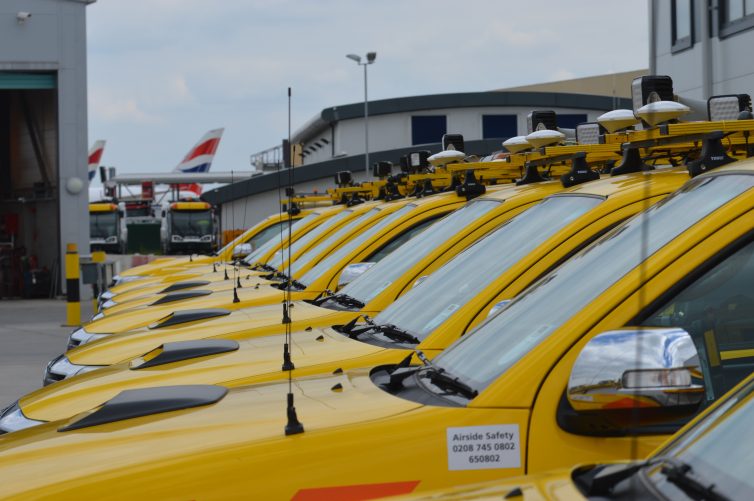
<point x="347" y="300"/>
<point x="676" y="472"/>
<point x="397" y="334"/>
<point x="442" y="378"/>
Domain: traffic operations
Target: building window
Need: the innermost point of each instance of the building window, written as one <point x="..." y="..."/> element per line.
<point x="735" y="16"/>
<point x="570" y="120"/>
<point x="682" y="29"/>
<point x="499" y="126"/>
<point x="428" y="129"/>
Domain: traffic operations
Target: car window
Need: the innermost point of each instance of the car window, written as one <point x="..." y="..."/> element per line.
<point x="717" y="310"/>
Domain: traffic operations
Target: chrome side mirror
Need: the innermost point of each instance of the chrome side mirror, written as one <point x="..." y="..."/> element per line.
<point x="498" y="306"/>
<point x="242" y="250"/>
<point x="419" y="280"/>
<point x="645" y="368"/>
<point x="352" y="272"/>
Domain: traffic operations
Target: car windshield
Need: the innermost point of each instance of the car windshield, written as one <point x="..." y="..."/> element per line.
<point x="258" y="239"/>
<point x="274" y="240"/>
<point x="191" y="223"/>
<point x="422" y="309"/>
<point x="384" y="273"/>
<point x="719" y="449"/>
<point x="103" y="224"/>
<point x="338" y="236"/>
<point x="276" y="261"/>
<point x="483" y="355"/>
<point x="344" y="249"/>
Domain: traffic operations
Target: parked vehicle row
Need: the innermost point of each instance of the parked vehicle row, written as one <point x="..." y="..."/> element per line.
<point x="438" y="329"/>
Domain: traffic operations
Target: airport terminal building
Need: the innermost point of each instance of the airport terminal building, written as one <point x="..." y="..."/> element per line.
<point x="333" y="140"/>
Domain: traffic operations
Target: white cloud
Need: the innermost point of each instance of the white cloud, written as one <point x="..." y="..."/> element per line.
<point x="185" y="66"/>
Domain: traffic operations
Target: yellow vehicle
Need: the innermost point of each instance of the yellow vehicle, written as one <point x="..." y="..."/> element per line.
<point x="365" y="236"/>
<point x="165" y="269"/>
<point x="709" y="458"/>
<point x="501" y="264"/>
<point x="376" y="288"/>
<point x="266" y="259"/>
<point x="508" y="388"/>
<point x="107" y="227"/>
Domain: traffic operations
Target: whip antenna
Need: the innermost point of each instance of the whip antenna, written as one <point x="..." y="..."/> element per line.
<point x="236" y="284"/>
<point x="293" y="426"/>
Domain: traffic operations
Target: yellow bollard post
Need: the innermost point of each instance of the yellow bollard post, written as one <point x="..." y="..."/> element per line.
<point x="97" y="257"/>
<point x="73" y="294"/>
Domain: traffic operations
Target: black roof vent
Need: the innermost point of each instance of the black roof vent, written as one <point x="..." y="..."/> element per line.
<point x="183" y="285"/>
<point x="130" y="404"/>
<point x="186" y="350"/>
<point x="185" y="316"/>
<point x="179" y="296"/>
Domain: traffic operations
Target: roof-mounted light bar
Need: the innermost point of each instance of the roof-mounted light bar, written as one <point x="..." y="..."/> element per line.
<point x="541" y="119"/>
<point x="728" y="107"/>
<point x="589" y="133"/>
<point x="453" y="142"/>
<point x="650" y="89"/>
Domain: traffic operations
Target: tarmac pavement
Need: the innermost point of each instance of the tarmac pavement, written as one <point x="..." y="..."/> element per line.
<point x="30" y="335"/>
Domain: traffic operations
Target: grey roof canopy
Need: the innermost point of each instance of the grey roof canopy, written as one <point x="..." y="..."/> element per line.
<point x="310" y="172"/>
<point x="532" y="100"/>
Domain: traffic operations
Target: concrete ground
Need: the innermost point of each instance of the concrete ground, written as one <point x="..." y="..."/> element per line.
<point x="30" y="335"/>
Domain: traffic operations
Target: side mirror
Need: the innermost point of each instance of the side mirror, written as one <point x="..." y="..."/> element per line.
<point x="352" y="272"/>
<point x="419" y="280"/>
<point x="241" y="250"/>
<point x="634" y="377"/>
<point x="498" y="306"/>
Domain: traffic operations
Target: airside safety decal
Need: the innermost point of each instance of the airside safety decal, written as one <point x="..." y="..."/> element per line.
<point x="484" y="447"/>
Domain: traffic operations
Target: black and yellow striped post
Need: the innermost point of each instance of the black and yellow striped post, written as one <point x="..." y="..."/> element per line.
<point x="73" y="294"/>
<point x="99" y="258"/>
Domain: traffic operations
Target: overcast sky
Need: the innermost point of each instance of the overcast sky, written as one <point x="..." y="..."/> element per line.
<point x="163" y="72"/>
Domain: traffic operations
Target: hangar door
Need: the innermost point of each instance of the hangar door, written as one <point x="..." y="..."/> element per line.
<point x="29" y="235"/>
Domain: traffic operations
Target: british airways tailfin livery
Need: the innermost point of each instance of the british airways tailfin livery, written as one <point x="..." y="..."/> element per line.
<point x="95" y="155"/>
<point x="199" y="158"/>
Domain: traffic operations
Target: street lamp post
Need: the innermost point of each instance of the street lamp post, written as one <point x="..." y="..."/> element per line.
<point x="371" y="56"/>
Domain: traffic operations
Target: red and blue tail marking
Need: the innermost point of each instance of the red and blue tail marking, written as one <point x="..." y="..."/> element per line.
<point x="95" y="155"/>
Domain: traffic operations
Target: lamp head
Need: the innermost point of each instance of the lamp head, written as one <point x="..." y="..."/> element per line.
<point x="354" y="57"/>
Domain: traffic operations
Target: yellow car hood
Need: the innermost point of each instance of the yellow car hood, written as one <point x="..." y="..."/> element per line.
<point x="164" y="262"/>
<point x="176" y="275"/>
<point x="141" y="454"/>
<point x="255" y="356"/>
<point x="243" y="323"/>
<point x="142" y="316"/>
<point x="554" y="485"/>
<point x="148" y="294"/>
